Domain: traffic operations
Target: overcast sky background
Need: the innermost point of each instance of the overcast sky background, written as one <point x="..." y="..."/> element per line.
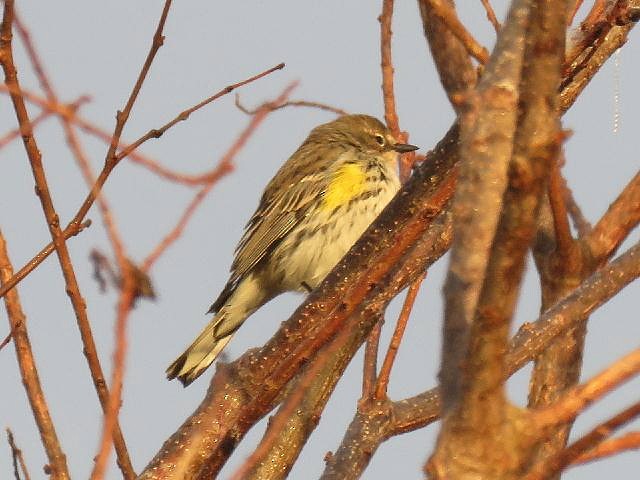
<point x="332" y="48"/>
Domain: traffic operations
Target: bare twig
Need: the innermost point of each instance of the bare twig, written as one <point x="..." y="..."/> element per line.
<point x="574" y="11"/>
<point x="580" y="222"/>
<point x="457" y="73"/>
<point x="370" y="363"/>
<point x="386" y="64"/>
<point x="13" y="134"/>
<point x="42" y="254"/>
<point x="613" y="446"/>
<point x="290" y="103"/>
<point x="491" y="15"/>
<point x="579" y="398"/>
<point x="75" y="223"/>
<point x="618" y="221"/>
<point x="184" y="115"/>
<point x="407" y="160"/>
<point x="447" y="14"/>
<point x="17" y="457"/>
<point x="29" y="372"/>
<point x="6" y="340"/>
<point x="68" y="113"/>
<point x="564" y="240"/>
<point x="123" y="115"/>
<point x="125" y="303"/>
<point x="394" y="345"/>
<point x="558" y="462"/>
<point x="225" y="166"/>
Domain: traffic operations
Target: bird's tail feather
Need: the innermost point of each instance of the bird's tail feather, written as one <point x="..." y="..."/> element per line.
<point x="199" y="355"/>
<point x="245" y="299"/>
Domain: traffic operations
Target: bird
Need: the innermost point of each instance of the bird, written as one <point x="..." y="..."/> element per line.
<point x="313" y="210"/>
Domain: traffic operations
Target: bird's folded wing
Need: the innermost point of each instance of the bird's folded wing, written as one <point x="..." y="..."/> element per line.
<point x="273" y="220"/>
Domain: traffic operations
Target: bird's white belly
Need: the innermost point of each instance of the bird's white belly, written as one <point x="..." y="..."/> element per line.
<point x="314" y="257"/>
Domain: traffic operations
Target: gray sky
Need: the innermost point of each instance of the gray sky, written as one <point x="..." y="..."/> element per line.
<point x="332" y="47"/>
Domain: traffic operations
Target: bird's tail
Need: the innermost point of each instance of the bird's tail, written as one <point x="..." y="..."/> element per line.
<point x="244" y="300"/>
<point x="199" y="355"/>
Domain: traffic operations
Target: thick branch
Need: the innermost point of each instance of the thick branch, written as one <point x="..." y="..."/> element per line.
<point x="480" y="432"/>
<point x="456" y="71"/>
<point x="487" y="131"/>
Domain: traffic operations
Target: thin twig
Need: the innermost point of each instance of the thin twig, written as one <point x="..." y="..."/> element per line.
<point x="29" y="372"/>
<point x="491" y="15"/>
<point x="127" y="294"/>
<point x="123" y="115"/>
<point x="125" y="303"/>
<point x="622" y="216"/>
<point x="39" y="257"/>
<point x="17" y="457"/>
<point x="69" y="113"/>
<point x="573" y="13"/>
<point x="398" y="333"/>
<point x="563" y="238"/>
<point x="370" y="363"/>
<point x="448" y="15"/>
<point x="73" y="142"/>
<point x="579" y="398"/>
<point x="407" y="160"/>
<point x="580" y="222"/>
<point x="182" y="116"/>
<point x="290" y="103"/>
<point x="74" y="224"/>
<point x="613" y="446"/>
<point x="558" y="462"/>
<point x="6" y="340"/>
<point x="386" y="64"/>
<point x="67" y="109"/>
<point x="225" y="166"/>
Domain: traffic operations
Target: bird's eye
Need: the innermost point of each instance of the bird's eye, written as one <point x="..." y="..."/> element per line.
<point x="380" y="140"/>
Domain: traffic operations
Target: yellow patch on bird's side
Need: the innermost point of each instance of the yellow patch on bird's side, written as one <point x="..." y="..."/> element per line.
<point x="346" y="183"/>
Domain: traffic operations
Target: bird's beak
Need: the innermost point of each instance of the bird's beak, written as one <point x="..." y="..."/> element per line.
<point x="404" y="147"/>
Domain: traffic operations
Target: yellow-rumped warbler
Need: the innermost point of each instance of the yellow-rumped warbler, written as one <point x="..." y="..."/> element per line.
<point x="311" y="213"/>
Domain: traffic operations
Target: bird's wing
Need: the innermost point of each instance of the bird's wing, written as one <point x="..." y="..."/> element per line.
<point x="276" y="216"/>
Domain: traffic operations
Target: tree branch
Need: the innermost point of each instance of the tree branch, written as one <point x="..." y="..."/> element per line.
<point x="29" y="372"/>
<point x="456" y="71"/>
